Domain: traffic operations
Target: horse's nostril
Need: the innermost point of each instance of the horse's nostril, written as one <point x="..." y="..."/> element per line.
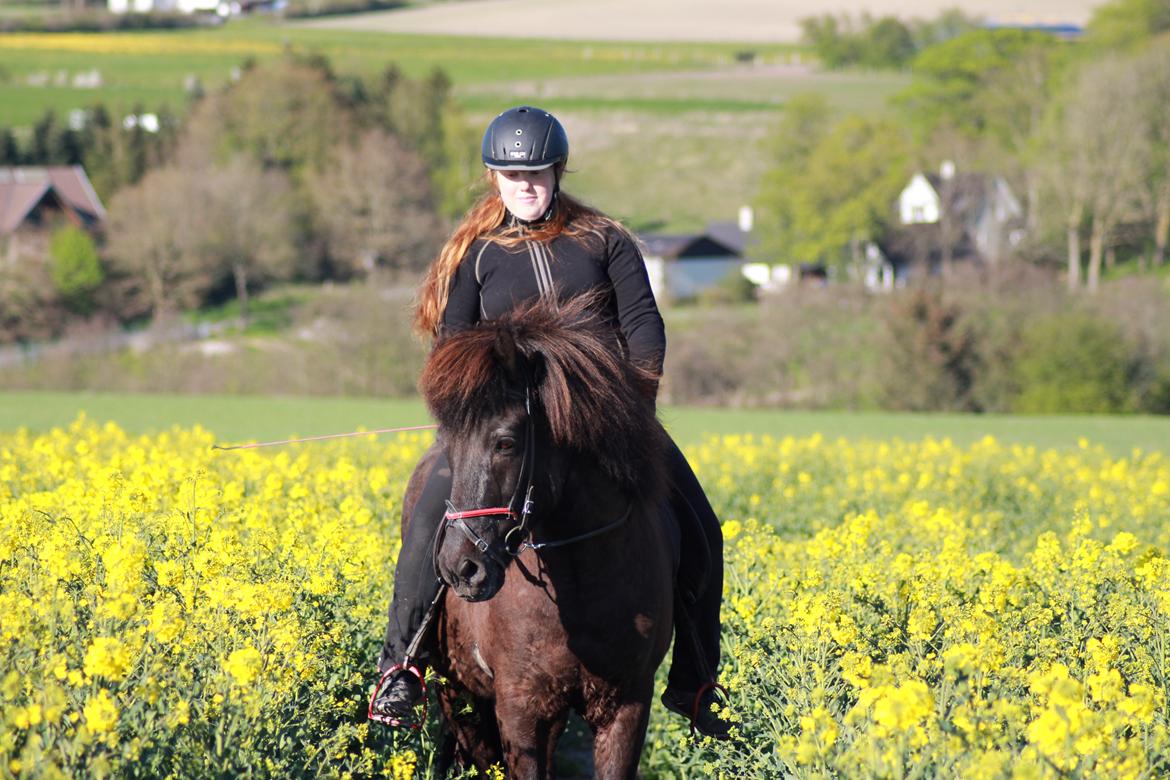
<point x="467" y="569"/>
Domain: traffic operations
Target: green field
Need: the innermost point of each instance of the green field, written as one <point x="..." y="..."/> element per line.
<point x="237" y="419"/>
<point x="37" y="70"/>
<point x="649" y="121"/>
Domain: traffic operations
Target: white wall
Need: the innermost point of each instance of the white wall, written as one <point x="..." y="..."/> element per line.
<point x="918" y="202"/>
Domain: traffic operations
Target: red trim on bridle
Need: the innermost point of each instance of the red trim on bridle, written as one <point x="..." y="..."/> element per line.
<point x="490" y="511"/>
<point x="516" y="536"/>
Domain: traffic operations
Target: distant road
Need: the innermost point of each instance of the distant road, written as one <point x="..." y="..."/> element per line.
<point x="747" y="21"/>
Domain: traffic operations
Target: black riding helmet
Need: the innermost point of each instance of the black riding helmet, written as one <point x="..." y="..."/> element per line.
<point x="524" y="139"/>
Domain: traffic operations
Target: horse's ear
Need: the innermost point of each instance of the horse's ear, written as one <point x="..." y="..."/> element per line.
<point x="506" y="353"/>
<point x="537" y="369"/>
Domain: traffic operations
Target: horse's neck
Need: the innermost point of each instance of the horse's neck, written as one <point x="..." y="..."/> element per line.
<point x="589" y="500"/>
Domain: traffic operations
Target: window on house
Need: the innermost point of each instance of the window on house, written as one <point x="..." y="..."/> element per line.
<point x="917" y="214"/>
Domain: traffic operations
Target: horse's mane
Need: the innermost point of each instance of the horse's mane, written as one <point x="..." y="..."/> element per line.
<point x="593" y="399"/>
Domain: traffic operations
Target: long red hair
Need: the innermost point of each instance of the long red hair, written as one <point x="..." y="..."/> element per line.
<point x="571" y="217"/>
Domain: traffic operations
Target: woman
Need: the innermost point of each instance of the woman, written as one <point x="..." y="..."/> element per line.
<point x="526" y="239"/>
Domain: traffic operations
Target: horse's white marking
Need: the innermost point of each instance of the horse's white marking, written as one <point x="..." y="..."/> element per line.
<point x="482" y="663"/>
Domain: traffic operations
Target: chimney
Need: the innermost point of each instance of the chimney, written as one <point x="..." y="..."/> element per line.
<point x="745" y="219"/>
<point x="946" y="171"/>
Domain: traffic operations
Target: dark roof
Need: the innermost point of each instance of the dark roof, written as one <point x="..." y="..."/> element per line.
<point x="683" y="246"/>
<point x="729" y="234"/>
<point x="962" y="195"/>
<point x="23" y="189"/>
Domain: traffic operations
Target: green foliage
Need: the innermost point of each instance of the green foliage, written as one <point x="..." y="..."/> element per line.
<point x="74" y="267"/>
<point x="112" y="156"/>
<point x="954" y="79"/>
<point x="831" y="185"/>
<point x="423" y="114"/>
<point x="1073" y="362"/>
<point x="286" y="114"/>
<point x="1124" y="24"/>
<point x="883" y="42"/>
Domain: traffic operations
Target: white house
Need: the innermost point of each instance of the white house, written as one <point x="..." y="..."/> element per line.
<point x="946" y="217"/>
<point x="982" y="206"/>
<point x="218" y="7"/>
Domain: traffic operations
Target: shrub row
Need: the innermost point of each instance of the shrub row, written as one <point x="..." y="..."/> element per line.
<point x="1007" y="345"/>
<point x="1013" y="346"/>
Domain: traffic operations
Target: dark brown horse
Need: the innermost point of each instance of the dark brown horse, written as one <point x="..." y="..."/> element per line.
<point x="559" y="561"/>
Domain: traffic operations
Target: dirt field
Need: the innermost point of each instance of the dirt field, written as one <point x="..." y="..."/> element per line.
<point x="679" y="20"/>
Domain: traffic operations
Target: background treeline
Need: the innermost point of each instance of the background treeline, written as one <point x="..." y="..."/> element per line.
<point x="841" y="40"/>
<point x="1079" y="129"/>
<point x="1007" y="342"/>
<point x="290" y="174"/>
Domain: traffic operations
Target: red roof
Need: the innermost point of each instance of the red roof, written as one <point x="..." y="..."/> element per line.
<point x="23" y="189"/>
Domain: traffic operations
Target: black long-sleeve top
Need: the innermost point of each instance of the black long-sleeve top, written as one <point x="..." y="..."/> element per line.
<point x="493" y="279"/>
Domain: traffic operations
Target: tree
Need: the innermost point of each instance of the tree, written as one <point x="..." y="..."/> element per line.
<point x="1124" y="24"/>
<point x="74" y="267"/>
<point x="1108" y="150"/>
<point x="824" y="209"/>
<point x="1153" y="75"/>
<point x="807" y="117"/>
<point x="888" y="43"/>
<point x="958" y="83"/>
<point x="831" y="39"/>
<point x="373" y="199"/>
<point x="148" y="235"/>
<point x="424" y="117"/>
<point x="241" y="225"/>
<point x="284" y="114"/>
<point x="9" y="148"/>
<point x="29" y="307"/>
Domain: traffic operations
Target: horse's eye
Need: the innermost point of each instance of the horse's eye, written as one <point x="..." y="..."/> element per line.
<point x="505" y="445"/>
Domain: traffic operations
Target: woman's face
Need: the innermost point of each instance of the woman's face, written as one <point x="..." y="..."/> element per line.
<point x="527" y="194"/>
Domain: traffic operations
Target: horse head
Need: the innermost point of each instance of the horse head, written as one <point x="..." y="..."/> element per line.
<point x="520" y="401"/>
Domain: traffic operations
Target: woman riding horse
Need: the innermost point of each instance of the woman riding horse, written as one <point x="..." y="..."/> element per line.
<point x="525" y="240"/>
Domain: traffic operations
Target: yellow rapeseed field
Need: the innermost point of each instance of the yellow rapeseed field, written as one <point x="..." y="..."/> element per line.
<point x="891" y="609"/>
<point x="135" y="43"/>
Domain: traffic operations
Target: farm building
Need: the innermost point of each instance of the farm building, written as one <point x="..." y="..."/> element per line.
<point x="35" y="201"/>
<point x="683" y="266"/>
<point x="943" y="218"/>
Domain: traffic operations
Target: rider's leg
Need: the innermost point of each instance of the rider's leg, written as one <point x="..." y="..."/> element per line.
<point x="696" y="649"/>
<point x="415" y="586"/>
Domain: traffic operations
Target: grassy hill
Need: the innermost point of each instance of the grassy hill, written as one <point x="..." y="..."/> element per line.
<point x="649" y="121"/>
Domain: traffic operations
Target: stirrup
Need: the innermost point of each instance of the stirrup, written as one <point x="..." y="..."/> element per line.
<point x="696" y="702"/>
<point x="384" y="683"/>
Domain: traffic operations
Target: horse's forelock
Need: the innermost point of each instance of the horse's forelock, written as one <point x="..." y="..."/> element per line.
<point x="461" y="378"/>
<point x="593" y="399"/>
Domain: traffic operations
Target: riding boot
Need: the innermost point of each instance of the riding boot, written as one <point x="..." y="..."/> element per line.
<point x="415" y="587"/>
<point x="696" y="656"/>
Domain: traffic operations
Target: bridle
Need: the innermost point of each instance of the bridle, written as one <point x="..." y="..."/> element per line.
<point x="518" y="538"/>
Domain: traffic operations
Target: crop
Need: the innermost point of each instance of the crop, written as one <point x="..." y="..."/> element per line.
<point x="891" y="609"/>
